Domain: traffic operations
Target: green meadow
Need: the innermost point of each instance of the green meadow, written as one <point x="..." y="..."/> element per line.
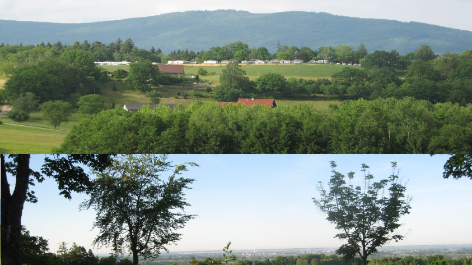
<point x="29" y="140"/>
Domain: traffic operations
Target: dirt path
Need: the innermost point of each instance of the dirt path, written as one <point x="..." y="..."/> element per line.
<point x="5" y="108"/>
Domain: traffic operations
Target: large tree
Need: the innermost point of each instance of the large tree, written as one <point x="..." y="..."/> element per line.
<point x="367" y="216"/>
<point x="64" y="169"/>
<point x="233" y="77"/>
<point x="142" y="75"/>
<point x="56" y="112"/>
<point x="136" y="207"/>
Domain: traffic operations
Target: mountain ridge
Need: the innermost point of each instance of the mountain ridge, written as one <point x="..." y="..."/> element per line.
<point x="201" y="30"/>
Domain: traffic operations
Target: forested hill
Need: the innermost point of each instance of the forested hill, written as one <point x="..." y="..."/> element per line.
<point x="201" y="30"/>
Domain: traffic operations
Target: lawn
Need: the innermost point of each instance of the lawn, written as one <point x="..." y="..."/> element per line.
<point x="29" y="140"/>
<point x="306" y="71"/>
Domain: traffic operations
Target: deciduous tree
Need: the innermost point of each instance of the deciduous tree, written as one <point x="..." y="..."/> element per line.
<point x="91" y="104"/>
<point x="136" y="207"/>
<point x="142" y="75"/>
<point x="56" y="112"/>
<point x="367" y="216"/>
<point x="26" y="102"/>
<point x="233" y="77"/>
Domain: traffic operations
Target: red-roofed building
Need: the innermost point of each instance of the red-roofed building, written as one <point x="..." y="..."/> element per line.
<point x="251" y="101"/>
<point x="171" y="69"/>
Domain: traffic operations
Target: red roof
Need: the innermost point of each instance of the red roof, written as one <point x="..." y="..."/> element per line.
<point x="252" y="101"/>
<point x="171" y="69"/>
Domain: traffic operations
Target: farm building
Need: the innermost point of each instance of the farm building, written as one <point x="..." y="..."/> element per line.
<point x="171" y="69"/>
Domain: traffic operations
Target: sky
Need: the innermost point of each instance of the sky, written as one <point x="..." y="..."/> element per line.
<point x="265" y="202"/>
<point x="452" y="13"/>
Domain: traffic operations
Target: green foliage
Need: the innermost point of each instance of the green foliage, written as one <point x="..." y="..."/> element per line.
<point x="120" y="74"/>
<point x="458" y="165"/>
<point x="76" y="255"/>
<point x="366" y="216"/>
<point x="26" y="102"/>
<point x="142" y="75"/>
<point x="202" y="72"/>
<point x="283" y="55"/>
<point x="226" y="259"/>
<point x="359" y="126"/>
<point x="32" y="248"/>
<point x="91" y="104"/>
<point x="425" y="53"/>
<point x="263" y="53"/>
<point x="233" y="77"/>
<point x="420" y="71"/>
<point x="56" y="111"/>
<point x="136" y="206"/>
<point x="48" y="80"/>
<point x="224" y="94"/>
<point x="18" y="115"/>
<point x="154" y="96"/>
<point x="382" y="59"/>
<point x="343" y="53"/>
<point x="271" y="83"/>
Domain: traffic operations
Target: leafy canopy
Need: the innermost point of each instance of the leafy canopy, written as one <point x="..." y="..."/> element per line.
<point x="367" y="216"/>
<point x="56" y="111"/>
<point x="136" y="208"/>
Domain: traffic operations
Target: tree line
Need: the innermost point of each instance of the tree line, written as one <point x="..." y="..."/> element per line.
<point x="356" y="126"/>
<point x="127" y="51"/>
<point x="437" y="79"/>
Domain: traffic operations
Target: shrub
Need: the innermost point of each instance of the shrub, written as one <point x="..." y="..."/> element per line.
<point x="202" y="72"/>
<point x="18" y="115"/>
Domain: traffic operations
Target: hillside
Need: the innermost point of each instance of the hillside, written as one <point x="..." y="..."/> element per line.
<point x="201" y="30"/>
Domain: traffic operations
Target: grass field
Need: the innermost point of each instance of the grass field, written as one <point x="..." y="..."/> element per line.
<point x="34" y="136"/>
<point x="29" y="140"/>
<point x="307" y="71"/>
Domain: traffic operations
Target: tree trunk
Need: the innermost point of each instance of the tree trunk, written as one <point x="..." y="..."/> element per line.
<point x="135" y="258"/>
<point x="12" y="208"/>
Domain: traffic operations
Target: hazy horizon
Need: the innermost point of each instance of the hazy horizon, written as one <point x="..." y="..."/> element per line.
<point x="454" y="14"/>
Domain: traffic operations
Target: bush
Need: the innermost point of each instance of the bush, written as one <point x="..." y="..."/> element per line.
<point x="202" y="72"/>
<point x="18" y="115"/>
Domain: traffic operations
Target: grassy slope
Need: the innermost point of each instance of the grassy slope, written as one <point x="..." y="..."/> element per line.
<point x="41" y="136"/>
<point x="29" y="140"/>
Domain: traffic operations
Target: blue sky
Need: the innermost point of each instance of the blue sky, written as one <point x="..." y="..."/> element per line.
<point x="265" y="201"/>
<point x="453" y="13"/>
